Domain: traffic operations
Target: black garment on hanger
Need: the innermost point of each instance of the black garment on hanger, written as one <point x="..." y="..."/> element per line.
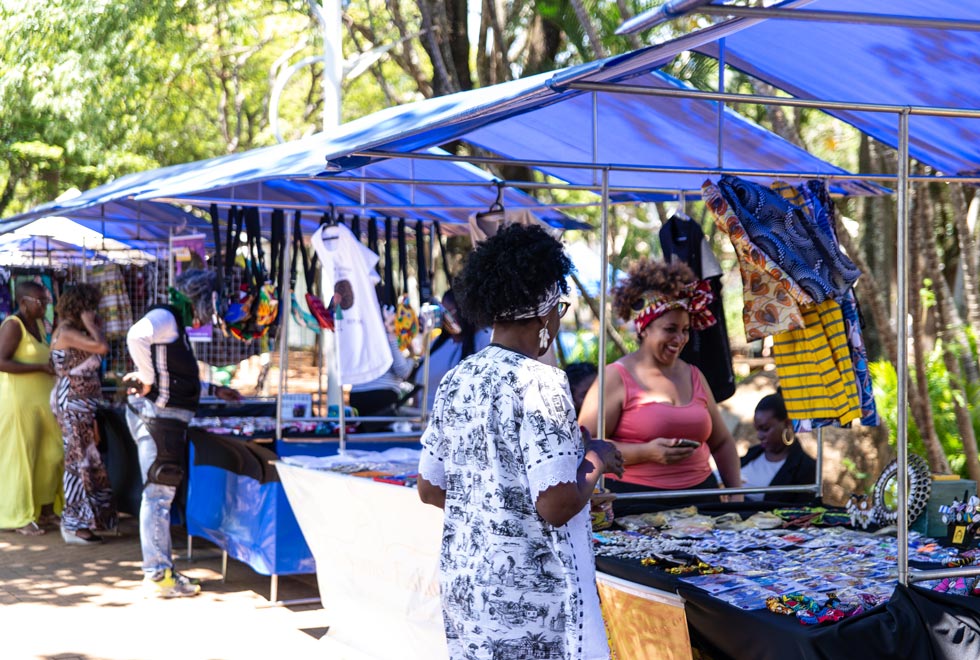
<point x="709" y="349"/>
<point x="425" y="277"/>
<point x="388" y="295"/>
<point x="355" y="226"/>
<point x="403" y="254"/>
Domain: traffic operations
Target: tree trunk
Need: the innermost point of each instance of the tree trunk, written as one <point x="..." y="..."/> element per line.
<point x="544" y="42"/>
<point x="498" y="53"/>
<point x="459" y="42"/>
<point x="406" y="56"/>
<point x="924" y="418"/>
<point x="948" y="331"/>
<point x="782" y="125"/>
<point x="594" y="306"/>
<point x="443" y="81"/>
<point x="967" y="265"/>
<point x="625" y="15"/>
<point x="874" y="297"/>
<point x="586" y="22"/>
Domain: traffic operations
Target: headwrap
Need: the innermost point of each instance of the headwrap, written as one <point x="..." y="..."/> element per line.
<point x="548" y="301"/>
<point x="693" y="298"/>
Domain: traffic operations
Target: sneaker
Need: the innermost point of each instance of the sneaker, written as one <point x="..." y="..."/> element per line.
<point x="170" y="584"/>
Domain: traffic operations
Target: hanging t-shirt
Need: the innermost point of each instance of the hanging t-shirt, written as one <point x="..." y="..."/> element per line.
<point x="348" y="267"/>
<point x="759" y="473"/>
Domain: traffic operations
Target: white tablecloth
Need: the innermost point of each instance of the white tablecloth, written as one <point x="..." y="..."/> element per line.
<point x="377" y="562"/>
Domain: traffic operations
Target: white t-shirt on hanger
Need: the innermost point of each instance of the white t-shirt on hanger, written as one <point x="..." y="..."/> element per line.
<point x="348" y="268"/>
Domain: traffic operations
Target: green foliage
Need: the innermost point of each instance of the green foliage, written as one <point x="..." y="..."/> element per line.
<point x="586" y="347"/>
<point x="851" y="468"/>
<point x="941" y="395"/>
<point x="92" y="89"/>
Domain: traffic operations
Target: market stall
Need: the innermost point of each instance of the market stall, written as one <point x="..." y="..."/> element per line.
<point x="380" y="569"/>
<point x="610" y="90"/>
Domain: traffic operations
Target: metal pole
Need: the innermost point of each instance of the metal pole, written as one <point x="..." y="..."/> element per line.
<point x="820" y="462"/>
<point x="902" y="367"/>
<point x="893" y="20"/>
<point x="728" y="97"/>
<point x="285" y="314"/>
<point x="721" y="104"/>
<point x="619" y="167"/>
<point x="595" y="133"/>
<point x="170" y="258"/>
<point x="603" y="285"/>
<point x="341" y="415"/>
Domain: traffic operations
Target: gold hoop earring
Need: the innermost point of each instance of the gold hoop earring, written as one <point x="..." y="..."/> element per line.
<point x="788" y="437"/>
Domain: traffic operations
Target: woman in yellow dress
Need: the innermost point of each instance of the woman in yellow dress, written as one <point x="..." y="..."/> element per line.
<point x="31" y="454"/>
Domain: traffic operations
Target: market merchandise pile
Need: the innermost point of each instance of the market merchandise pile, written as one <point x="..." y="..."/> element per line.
<point x="395" y="466"/>
<point x="266" y="426"/>
<point x="821" y="573"/>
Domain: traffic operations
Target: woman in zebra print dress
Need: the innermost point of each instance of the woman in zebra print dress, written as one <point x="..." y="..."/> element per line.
<point x="77" y="345"/>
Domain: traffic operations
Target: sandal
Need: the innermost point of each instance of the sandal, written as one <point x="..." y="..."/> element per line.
<point x="49" y="519"/>
<point x="30" y="529"/>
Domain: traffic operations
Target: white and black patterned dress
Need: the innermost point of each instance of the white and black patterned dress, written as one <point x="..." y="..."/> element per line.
<point x="88" y="494"/>
<point x="503" y="430"/>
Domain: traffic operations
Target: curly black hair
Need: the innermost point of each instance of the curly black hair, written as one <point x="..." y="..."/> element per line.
<point x="644" y="276"/>
<point x="511" y="270"/>
<point x="77" y="299"/>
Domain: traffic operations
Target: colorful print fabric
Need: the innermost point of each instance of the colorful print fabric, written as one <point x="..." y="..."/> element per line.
<point x="771" y="298"/>
<point x="788" y="237"/>
<point x="814" y="201"/>
<point x="502" y="431"/>
<point x="115" y="308"/>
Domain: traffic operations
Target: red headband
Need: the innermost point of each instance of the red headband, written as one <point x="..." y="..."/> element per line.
<point x="694" y="299"/>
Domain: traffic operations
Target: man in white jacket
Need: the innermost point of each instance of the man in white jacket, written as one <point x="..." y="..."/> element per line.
<point x="164" y="392"/>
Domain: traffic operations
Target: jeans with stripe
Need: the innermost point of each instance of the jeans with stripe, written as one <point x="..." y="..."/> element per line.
<point x="155" y="541"/>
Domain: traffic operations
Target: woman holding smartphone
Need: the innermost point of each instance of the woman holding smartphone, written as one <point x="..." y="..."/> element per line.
<point x="659" y="410"/>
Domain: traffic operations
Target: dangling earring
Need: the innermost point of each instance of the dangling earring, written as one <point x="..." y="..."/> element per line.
<point x="788" y="436"/>
<point x="544" y="337"/>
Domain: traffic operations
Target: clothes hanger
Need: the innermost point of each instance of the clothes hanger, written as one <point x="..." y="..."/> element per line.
<point x="490" y="221"/>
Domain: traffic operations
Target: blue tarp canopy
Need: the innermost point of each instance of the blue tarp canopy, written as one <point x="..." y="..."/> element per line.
<point x="283" y="176"/>
<point x="540" y="119"/>
<point x="137" y="224"/>
<point x="878" y="64"/>
<point x="858" y="63"/>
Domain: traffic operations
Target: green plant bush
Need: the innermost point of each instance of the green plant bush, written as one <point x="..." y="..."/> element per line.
<point x="940" y="395"/>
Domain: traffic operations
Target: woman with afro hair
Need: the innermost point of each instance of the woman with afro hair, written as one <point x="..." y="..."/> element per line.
<point x="506" y="460"/>
<point x="659" y="410"/>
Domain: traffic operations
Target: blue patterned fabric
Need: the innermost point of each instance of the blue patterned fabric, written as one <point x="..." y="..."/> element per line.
<point x="824" y="216"/>
<point x="783" y="232"/>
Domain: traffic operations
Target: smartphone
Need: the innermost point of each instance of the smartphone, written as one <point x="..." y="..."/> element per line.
<point x="685" y="442"/>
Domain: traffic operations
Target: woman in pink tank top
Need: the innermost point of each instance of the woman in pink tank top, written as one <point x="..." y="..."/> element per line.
<point x="659" y="410"/>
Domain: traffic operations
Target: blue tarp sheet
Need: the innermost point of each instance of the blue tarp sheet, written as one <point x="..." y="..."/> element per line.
<point x="865" y="63"/>
<point x="284" y="175"/>
<point x="550" y="123"/>
<point x="235" y="500"/>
